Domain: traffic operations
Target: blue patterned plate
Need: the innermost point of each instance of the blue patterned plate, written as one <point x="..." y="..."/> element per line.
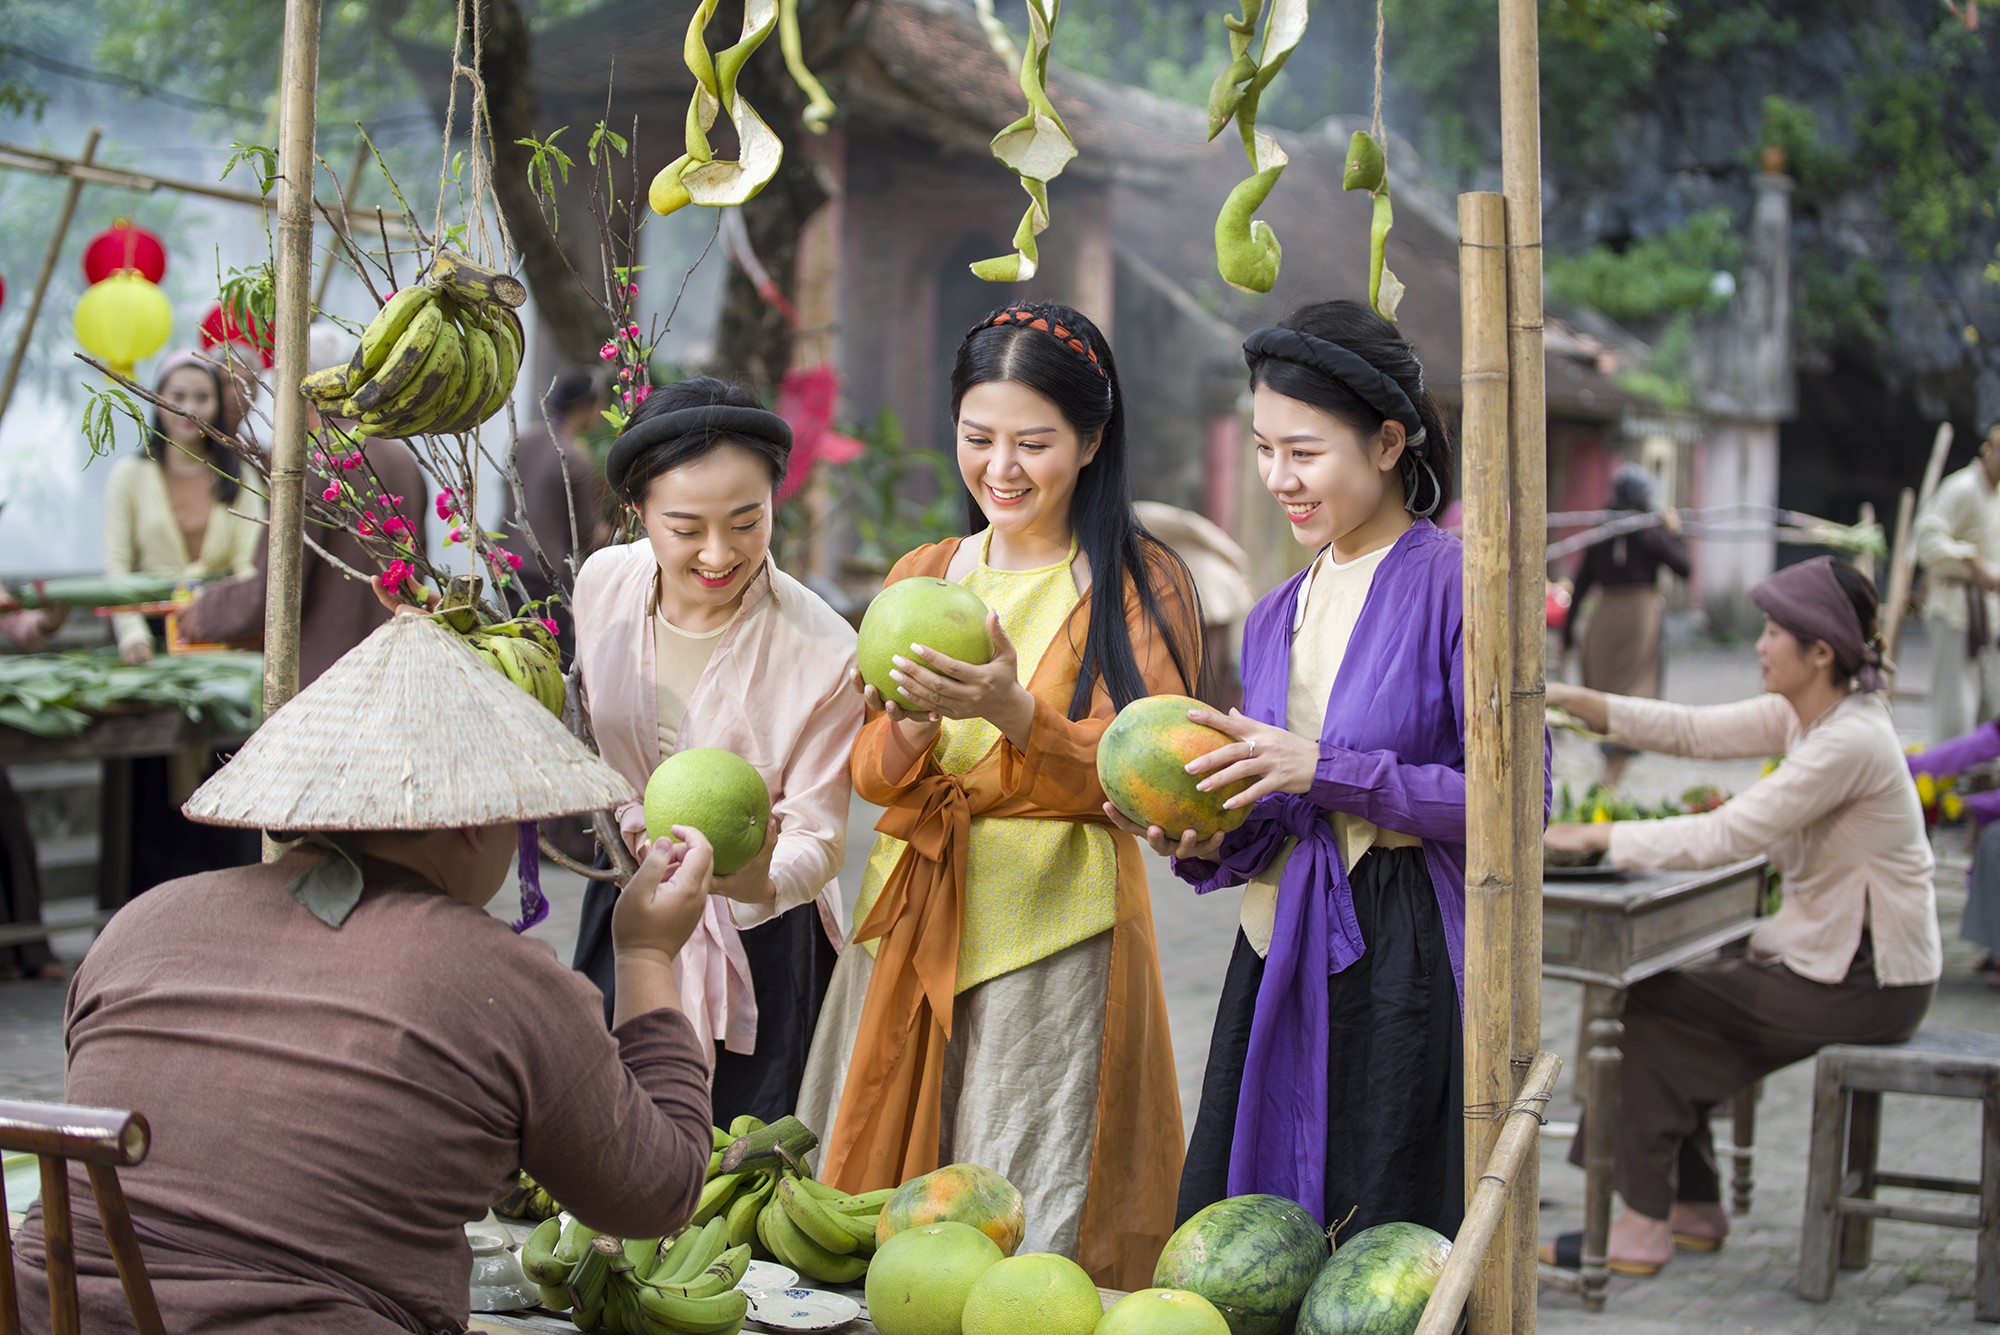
<point x="802" y="1309"/>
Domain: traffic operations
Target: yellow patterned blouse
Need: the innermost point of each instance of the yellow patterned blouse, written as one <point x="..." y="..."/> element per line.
<point x="1032" y="887"/>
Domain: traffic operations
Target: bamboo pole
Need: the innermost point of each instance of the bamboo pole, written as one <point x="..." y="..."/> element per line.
<point x="299" y="89"/>
<point x="1902" y="571"/>
<point x="13" y="157"/>
<point x="1521" y="183"/>
<point x="1505" y="1174"/>
<point x="49" y="261"/>
<point x="1490" y="844"/>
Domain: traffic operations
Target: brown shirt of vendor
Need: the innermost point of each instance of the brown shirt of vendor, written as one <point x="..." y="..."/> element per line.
<point x="330" y="1108"/>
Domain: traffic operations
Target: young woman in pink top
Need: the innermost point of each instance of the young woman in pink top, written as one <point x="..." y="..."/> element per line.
<point x="1852" y="956"/>
<point x="692" y="637"/>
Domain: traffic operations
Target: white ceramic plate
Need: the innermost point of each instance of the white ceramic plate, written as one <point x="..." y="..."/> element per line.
<point x="764" y="1275"/>
<point x="802" y="1309"/>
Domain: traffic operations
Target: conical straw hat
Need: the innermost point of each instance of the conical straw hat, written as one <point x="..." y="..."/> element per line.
<point x="409" y="730"/>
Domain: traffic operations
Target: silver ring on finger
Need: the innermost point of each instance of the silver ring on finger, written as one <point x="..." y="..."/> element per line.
<point x="1252" y="743"/>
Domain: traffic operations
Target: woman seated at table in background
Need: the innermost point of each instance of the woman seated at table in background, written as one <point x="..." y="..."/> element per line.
<point x="343" y="1056"/>
<point x="1852" y="955"/>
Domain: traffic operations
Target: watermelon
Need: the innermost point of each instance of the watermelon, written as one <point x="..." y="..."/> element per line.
<point x="1253" y="1257"/>
<point x="1377" y="1282"/>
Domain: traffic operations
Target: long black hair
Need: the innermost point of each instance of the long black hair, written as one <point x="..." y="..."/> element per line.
<point x="1367" y="335"/>
<point x="227" y="480"/>
<point x="1061" y="355"/>
<point x="704" y="391"/>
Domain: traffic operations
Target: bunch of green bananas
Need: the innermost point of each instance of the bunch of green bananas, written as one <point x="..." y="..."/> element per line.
<point x="525" y="652"/>
<point x="640" y="1286"/>
<point x="759" y="1189"/>
<point x="527" y="1199"/>
<point x="441" y="356"/>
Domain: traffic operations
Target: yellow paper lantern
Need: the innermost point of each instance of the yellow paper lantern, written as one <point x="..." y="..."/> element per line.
<point x="123" y="319"/>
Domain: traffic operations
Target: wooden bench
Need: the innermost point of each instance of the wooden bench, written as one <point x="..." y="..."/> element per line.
<point x="1840" y="1187"/>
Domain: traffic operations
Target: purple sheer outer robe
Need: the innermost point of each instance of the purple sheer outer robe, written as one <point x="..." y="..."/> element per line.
<point x="1393" y="753"/>
<point x="1958" y="755"/>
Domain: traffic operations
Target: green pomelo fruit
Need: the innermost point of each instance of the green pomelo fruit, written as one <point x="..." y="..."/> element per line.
<point x="935" y="613"/>
<point x="919" y="1280"/>
<point x="1041" y="1293"/>
<point x="1142" y="761"/>
<point x="719" y="793"/>
<point x="1377" y="1282"/>
<point x="1162" y="1312"/>
<point x="1253" y="1256"/>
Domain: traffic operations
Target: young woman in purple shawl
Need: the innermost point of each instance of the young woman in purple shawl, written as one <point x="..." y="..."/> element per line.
<point x="1334" y="1074"/>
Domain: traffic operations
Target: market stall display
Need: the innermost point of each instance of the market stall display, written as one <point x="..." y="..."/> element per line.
<point x="62" y="695"/>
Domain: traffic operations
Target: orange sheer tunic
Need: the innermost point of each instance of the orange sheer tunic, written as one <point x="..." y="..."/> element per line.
<point x="889" y="1122"/>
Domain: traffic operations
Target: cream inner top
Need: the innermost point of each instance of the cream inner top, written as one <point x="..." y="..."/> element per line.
<point x="679" y="659"/>
<point x="1329" y="605"/>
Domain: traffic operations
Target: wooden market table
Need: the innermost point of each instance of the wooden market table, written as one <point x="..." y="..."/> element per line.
<point x="561" y="1325"/>
<point x="1609" y="930"/>
<point x="116" y="740"/>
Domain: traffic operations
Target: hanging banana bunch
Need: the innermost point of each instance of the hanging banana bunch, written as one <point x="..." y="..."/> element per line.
<point x="440" y="357"/>
<point x="1367" y="169"/>
<point x="522" y="650"/>
<point x="698" y="176"/>
<point x="1246" y="249"/>
<point x="1036" y="147"/>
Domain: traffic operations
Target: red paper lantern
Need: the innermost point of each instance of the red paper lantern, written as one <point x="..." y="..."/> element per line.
<point x="220" y="326"/>
<point x="124" y="247"/>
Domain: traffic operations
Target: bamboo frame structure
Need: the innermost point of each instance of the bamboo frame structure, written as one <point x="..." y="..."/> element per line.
<point x="49" y="261"/>
<point x="296" y="169"/>
<point x="1521" y="183"/>
<point x="1489" y="651"/>
<point x="1508" y="1173"/>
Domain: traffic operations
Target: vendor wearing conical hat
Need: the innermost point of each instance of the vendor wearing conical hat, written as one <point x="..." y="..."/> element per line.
<point x="343" y="1057"/>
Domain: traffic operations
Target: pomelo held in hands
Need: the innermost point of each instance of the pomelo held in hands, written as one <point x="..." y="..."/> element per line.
<point x="1142" y="762"/>
<point x="935" y="613"/>
<point x="719" y="793"/>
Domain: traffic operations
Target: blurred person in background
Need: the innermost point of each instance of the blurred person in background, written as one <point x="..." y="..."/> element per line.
<point x="559" y="480"/>
<point x="178" y="508"/>
<point x="20" y="872"/>
<point x="1622" y="648"/>
<point x="1958" y="544"/>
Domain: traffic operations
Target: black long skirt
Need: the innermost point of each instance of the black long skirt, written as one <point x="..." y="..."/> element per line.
<point x="1395" y="1131"/>
<point x="791" y="963"/>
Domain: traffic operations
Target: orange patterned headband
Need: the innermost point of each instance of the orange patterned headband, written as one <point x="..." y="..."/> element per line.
<point x="1036" y="317"/>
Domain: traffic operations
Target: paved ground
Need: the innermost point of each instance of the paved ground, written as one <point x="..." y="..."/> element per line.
<point x="1921" y="1279"/>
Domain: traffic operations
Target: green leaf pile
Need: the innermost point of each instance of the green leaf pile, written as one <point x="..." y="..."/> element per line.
<point x="59" y="695"/>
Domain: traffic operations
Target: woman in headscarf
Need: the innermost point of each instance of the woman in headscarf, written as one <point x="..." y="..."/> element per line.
<point x="1852" y="956"/>
<point x="1622" y="651"/>
<point x="692" y="637"/>
<point x="344" y="1057"/>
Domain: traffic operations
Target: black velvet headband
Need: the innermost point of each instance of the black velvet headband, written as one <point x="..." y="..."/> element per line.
<point x="720" y="418"/>
<point x="1348" y="369"/>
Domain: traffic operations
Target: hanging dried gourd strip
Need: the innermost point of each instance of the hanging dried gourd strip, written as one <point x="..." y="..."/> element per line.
<point x="698" y="176"/>
<point x="1246" y="249"/>
<point x="1037" y="147"/>
<point x="819" y="107"/>
<point x="1368" y="169"/>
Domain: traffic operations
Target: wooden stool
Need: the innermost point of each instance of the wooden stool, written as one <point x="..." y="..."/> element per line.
<point x="1847" y="1105"/>
<point x="103" y="1141"/>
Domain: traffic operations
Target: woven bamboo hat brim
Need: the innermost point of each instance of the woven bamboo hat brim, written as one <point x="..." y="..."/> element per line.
<point x="409" y="730"/>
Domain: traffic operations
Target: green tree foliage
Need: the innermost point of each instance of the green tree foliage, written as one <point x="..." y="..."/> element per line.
<point x="1927" y="138"/>
<point x="1656" y="276"/>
